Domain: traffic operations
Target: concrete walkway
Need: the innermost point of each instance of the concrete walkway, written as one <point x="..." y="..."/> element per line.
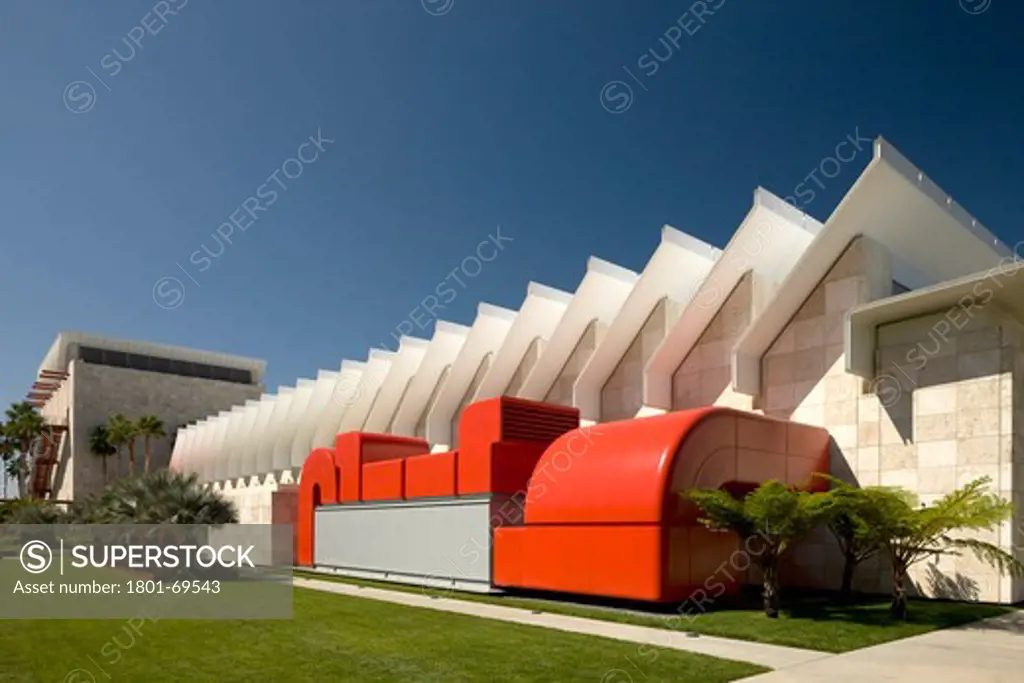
<point x="990" y="651"/>
<point x="772" y="656"/>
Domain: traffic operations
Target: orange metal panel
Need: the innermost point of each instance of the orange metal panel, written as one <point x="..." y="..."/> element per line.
<point x="384" y="480"/>
<point x="318" y="485"/>
<point x="612" y="561"/>
<point x="430" y="475"/>
<point x="522" y="428"/>
<point x="355" y="449"/>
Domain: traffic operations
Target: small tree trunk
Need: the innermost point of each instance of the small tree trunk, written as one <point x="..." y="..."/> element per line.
<point x="898" y="609"/>
<point x="849" y="565"/>
<point x="105" y="478"/>
<point x="147" y="455"/>
<point x="131" y="458"/>
<point x="770" y="583"/>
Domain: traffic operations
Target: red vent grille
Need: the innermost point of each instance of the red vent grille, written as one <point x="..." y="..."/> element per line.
<point x="524" y="422"/>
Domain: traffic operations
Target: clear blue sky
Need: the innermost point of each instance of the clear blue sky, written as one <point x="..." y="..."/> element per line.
<point x="444" y="127"/>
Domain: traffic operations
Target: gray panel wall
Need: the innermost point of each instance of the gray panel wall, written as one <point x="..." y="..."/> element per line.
<point x="444" y="541"/>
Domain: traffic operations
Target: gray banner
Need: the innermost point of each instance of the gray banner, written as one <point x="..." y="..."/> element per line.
<point x="145" y="572"/>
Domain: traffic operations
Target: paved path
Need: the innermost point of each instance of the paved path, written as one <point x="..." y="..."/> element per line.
<point x="990" y="651"/>
<point x="772" y="656"/>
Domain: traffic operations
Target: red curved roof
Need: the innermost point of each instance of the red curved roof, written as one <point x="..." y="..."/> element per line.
<point x="630" y="472"/>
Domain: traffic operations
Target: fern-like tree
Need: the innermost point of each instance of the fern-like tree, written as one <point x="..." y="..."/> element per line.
<point x="121" y="432"/>
<point x="24" y="426"/>
<point x="911" y="532"/>
<point x="774" y="513"/>
<point x="149" y="427"/>
<point x="100" y="446"/>
<point x="853" y="520"/>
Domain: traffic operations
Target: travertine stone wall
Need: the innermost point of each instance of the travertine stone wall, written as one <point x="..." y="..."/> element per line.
<point x="100" y="391"/>
<point x="939" y="413"/>
<point x="804" y="379"/>
<point x="560" y="392"/>
<point x="945" y="417"/>
<point x="704" y="377"/>
<point x="622" y="394"/>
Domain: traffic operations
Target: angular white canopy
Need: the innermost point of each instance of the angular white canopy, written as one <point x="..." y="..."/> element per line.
<point x="404" y="366"/>
<point x="378" y="365"/>
<point x="909" y="216"/>
<point x="245" y="454"/>
<point x="219" y="452"/>
<point x="678" y="266"/>
<point x="265" y="455"/>
<point x="444" y="346"/>
<point x="254" y="463"/>
<point x="230" y="456"/>
<point x="599" y="297"/>
<point x="313" y="416"/>
<point x="282" y="453"/>
<point x="343" y="392"/>
<point x="768" y="242"/>
<point x="538" y="318"/>
<point x="485" y="337"/>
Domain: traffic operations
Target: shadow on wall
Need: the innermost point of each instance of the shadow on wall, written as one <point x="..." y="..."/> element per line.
<point x="955" y="587"/>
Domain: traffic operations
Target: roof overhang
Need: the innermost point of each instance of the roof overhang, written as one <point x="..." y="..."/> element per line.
<point x="444" y="348"/>
<point x="485" y="337"/>
<point x="404" y="367"/>
<point x="767" y="243"/>
<point x="928" y="238"/>
<point x="676" y="269"/>
<point x="599" y="296"/>
<point x="538" y="318"/>
<point x="58" y="357"/>
<point x="958" y="301"/>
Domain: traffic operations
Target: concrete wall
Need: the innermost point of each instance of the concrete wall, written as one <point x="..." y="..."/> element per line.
<point x="99" y="391"/>
<point x="704" y="377"/>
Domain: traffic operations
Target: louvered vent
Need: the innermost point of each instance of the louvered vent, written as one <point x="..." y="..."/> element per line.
<point x="524" y="422"/>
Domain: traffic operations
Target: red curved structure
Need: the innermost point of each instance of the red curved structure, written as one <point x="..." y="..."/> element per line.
<point x="604" y="515"/>
<point x="600" y="510"/>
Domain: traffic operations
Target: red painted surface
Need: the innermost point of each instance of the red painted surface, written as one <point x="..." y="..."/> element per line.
<point x="430" y="475"/>
<point x="501" y="439"/>
<point x="352" y="450"/>
<point x="318" y="486"/>
<point x="604" y="514"/>
<point x="384" y="480"/>
<point x="603" y="510"/>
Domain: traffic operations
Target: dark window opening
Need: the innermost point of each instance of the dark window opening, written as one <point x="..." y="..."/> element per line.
<point x="137" y="361"/>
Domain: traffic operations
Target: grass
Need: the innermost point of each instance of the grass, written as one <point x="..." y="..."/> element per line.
<point x="337" y="638"/>
<point x="813" y="622"/>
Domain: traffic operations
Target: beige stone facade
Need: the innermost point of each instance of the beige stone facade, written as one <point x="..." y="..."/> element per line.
<point x="622" y="394"/>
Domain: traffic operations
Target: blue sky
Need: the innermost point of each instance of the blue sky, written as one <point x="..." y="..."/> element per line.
<point x="447" y="119"/>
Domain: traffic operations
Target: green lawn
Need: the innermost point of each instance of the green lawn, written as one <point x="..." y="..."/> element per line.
<point x="337" y="638"/>
<point x="814" y="623"/>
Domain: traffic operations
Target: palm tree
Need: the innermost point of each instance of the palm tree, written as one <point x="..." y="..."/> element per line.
<point x="912" y="532"/>
<point x="162" y="497"/>
<point x="150" y="426"/>
<point x="24" y="426"/>
<point x="121" y="431"/>
<point x="100" y="446"/>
